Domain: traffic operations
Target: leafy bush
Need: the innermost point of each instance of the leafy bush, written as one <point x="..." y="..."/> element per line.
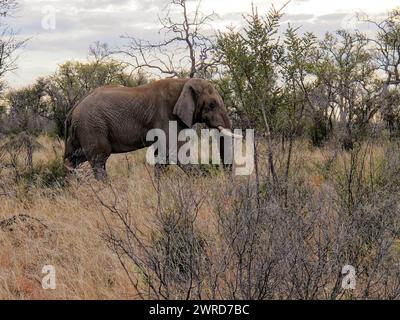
<point x="51" y="174"/>
<point x="318" y="133"/>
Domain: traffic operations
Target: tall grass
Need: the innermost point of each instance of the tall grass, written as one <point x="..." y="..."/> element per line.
<point x="205" y="236"/>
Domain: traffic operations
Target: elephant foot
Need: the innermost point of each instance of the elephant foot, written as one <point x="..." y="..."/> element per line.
<point x="100" y="175"/>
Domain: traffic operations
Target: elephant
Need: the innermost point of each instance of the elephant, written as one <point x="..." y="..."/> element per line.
<point x="116" y="119"/>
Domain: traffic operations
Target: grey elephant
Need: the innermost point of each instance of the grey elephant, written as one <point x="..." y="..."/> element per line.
<point x="116" y="119"/>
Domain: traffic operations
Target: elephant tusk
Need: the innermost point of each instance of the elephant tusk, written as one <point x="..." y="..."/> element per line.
<point x="229" y="133"/>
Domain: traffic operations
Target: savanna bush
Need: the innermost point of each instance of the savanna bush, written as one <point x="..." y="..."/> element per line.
<point x="51" y="174"/>
<point x="261" y="243"/>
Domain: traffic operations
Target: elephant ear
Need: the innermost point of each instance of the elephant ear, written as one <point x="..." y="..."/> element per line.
<point x="185" y="107"/>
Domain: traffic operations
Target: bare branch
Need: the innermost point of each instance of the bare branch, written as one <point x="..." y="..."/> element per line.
<point x="185" y="49"/>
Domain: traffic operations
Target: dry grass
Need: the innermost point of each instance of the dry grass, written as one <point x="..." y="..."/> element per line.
<point x="85" y="267"/>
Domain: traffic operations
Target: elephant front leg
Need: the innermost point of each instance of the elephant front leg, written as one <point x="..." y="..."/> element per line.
<point x="195" y="168"/>
<point x="226" y="154"/>
<point x="167" y="154"/>
<point x="191" y="164"/>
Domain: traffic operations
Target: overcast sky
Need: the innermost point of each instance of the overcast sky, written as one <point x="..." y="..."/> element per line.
<point x="79" y="23"/>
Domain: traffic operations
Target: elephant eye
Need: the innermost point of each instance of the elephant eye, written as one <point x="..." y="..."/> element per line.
<point x="212" y="106"/>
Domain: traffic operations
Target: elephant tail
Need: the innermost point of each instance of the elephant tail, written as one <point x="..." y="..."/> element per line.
<point x="67" y="138"/>
<point x="72" y="153"/>
<point x="70" y="139"/>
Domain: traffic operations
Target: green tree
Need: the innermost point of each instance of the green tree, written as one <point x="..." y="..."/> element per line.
<point x="296" y="69"/>
<point x="387" y="59"/>
<point x="250" y="59"/>
<point x="23" y="124"/>
<point x="25" y="108"/>
<point x="346" y="69"/>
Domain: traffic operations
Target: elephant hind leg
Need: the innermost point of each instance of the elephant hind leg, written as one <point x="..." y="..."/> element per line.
<point x="98" y="164"/>
<point x="73" y="160"/>
<point x="97" y="150"/>
<point x="100" y="152"/>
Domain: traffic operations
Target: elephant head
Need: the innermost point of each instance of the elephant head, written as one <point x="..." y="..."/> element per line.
<point x="200" y="102"/>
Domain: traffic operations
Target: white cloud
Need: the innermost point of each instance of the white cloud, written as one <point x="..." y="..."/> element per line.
<point x="318" y="7"/>
<point x="81" y="22"/>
